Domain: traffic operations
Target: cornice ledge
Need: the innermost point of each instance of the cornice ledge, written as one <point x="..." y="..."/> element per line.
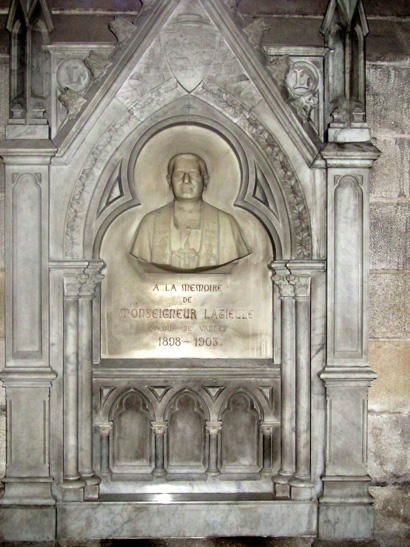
<point x="358" y="154"/>
<point x="27" y="150"/>
<point x="304" y="137"/>
<point x="335" y="374"/>
<point x="28" y="376"/>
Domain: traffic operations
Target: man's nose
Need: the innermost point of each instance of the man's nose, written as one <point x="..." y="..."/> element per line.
<point x="186" y="178"/>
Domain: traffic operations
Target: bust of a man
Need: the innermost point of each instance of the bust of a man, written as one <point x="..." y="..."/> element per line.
<point x="188" y="233"/>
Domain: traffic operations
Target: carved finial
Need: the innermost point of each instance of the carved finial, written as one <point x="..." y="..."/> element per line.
<point x="345" y="28"/>
<point x="72" y="101"/>
<point x="256" y="31"/>
<point x="98" y="64"/>
<point x="122" y="29"/>
<point x="29" y="23"/>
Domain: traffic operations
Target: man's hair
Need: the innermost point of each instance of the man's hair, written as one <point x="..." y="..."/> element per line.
<point x="202" y="167"/>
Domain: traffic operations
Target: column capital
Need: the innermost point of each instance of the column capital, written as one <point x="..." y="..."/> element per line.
<point x="213" y="428"/>
<point x="159" y="428"/>
<point x="286" y="288"/>
<point x="81" y="278"/>
<point x="301" y="285"/>
<point x="267" y="427"/>
<point x="105" y="429"/>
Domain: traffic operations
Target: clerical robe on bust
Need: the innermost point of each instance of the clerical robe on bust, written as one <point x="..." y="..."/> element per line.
<point x="189" y="233"/>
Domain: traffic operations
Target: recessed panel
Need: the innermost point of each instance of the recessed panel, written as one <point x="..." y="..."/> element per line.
<point x="187" y="281"/>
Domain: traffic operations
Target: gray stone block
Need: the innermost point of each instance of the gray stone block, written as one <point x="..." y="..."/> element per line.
<point x="392" y="523"/>
<point x="389" y="447"/>
<point x="302" y="31"/>
<point x="390" y="361"/>
<point x="390" y="235"/>
<point x="385" y="41"/>
<point x="389" y="305"/>
<point x="388" y="99"/>
<point x="390" y="176"/>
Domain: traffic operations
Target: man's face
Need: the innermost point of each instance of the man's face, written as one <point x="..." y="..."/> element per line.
<point x="187" y="181"/>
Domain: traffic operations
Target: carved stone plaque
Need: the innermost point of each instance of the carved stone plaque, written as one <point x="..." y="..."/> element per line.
<point x="193" y="283"/>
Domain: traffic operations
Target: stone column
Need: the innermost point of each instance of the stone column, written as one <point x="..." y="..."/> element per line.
<point x="159" y="428"/>
<point x="72" y="482"/>
<point x="301" y="483"/>
<point x="267" y="430"/>
<point x="85" y="333"/>
<point x="288" y="348"/>
<point x="213" y="429"/>
<point x="105" y="432"/>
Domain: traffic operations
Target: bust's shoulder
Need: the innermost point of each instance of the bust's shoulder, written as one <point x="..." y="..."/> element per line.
<point x="222" y="214"/>
<point x="151" y="217"/>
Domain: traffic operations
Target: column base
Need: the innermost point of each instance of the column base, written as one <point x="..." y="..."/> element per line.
<point x="92" y="488"/>
<point x="266" y="471"/>
<point x="27" y="491"/>
<point x="302" y="488"/>
<point x="282" y="477"/>
<point x="213" y="472"/>
<point x="73" y="490"/>
<point x="159" y="473"/>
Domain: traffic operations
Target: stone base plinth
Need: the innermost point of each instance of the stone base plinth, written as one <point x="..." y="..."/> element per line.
<point x="118" y="520"/>
<point x="344" y="521"/>
<point x="27" y="523"/>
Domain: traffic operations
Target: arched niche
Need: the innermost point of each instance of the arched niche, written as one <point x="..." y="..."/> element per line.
<point x="186" y="415"/>
<point x="270" y="186"/>
<point x="241" y="441"/>
<point x="236" y="302"/>
<point x="131" y="448"/>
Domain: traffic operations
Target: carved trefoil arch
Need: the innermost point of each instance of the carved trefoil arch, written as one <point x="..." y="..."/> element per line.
<point x="112" y="424"/>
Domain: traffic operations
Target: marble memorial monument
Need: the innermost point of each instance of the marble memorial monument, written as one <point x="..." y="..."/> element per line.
<point x="186" y="359"/>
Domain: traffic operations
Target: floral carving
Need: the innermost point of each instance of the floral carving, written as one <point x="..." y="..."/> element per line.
<point x="72" y="101"/>
<point x="98" y="64"/>
<point x="256" y="31"/>
<point x="122" y="29"/>
<point x="253" y="127"/>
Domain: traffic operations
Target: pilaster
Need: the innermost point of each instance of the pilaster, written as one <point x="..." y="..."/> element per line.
<point x="27" y="376"/>
<point x="345" y="506"/>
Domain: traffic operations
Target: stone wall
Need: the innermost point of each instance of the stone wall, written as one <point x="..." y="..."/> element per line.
<point x="388" y="99"/>
<point x="389" y="401"/>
